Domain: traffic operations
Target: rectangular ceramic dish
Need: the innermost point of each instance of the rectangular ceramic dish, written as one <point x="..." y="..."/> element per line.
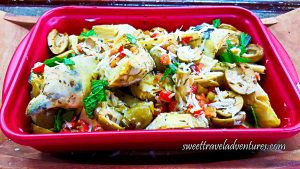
<point x="280" y="81"/>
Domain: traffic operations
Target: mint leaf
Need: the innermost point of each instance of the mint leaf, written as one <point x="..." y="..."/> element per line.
<point x="244" y="39"/>
<point x="216" y="23"/>
<point x="229" y="57"/>
<point x="88" y="33"/>
<point x="97" y="95"/>
<point x="131" y="38"/>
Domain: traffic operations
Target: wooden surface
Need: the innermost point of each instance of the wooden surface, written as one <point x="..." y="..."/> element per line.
<point x="13" y="155"/>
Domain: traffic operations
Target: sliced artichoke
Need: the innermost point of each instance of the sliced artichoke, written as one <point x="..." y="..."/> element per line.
<point x="259" y="100"/>
<point x="174" y="120"/>
<point x="112" y="32"/>
<point x="187" y="54"/>
<point x="57" y="42"/>
<point x="241" y="79"/>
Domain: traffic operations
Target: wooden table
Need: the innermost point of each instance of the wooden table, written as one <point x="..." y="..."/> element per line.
<point x="13" y="155"/>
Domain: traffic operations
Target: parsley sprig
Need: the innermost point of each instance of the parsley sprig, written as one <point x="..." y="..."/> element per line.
<point x="88" y="33"/>
<point x="97" y="95"/>
<point x="229" y="57"/>
<point x="216" y="23"/>
<point x="55" y="60"/>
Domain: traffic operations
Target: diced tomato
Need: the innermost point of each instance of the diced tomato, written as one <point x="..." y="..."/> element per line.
<point x="82" y="126"/>
<point x="172" y="105"/>
<point x="39" y="69"/>
<point x="79" y="48"/>
<point x="257" y="76"/>
<point x="194" y="89"/>
<point x="121" y="55"/>
<point x="165" y="59"/>
<point x="165" y="96"/>
<point x="97" y="128"/>
<point x="186" y="40"/>
<point x="197" y="113"/>
<point x="199" y="66"/>
<point x="154" y="35"/>
<point x="240" y="127"/>
<point x="65" y="130"/>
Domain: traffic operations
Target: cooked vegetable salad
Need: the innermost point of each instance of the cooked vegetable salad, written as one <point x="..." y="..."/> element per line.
<point x="117" y="77"/>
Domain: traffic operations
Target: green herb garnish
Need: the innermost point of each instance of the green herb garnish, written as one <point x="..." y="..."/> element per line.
<point x="97" y="95"/>
<point x="131" y="38"/>
<point x="216" y="23"/>
<point x="244" y="39"/>
<point x="229" y="57"/>
<point x="254" y="117"/>
<point x="171" y="69"/>
<point x="88" y="33"/>
<point x="57" y="121"/>
<point x="206" y="34"/>
<point x="68" y="61"/>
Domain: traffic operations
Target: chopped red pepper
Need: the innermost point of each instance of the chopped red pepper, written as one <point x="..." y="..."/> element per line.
<point x="154" y="35"/>
<point x="97" y="128"/>
<point x="165" y="59"/>
<point x="172" y="105"/>
<point x="199" y="66"/>
<point x="82" y="126"/>
<point x="165" y="96"/>
<point x="65" y="130"/>
<point x="194" y="89"/>
<point x="39" y="69"/>
<point x="197" y="113"/>
<point x="241" y="127"/>
<point x="186" y="40"/>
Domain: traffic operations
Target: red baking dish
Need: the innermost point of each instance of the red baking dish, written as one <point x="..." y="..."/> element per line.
<point x="280" y="81"/>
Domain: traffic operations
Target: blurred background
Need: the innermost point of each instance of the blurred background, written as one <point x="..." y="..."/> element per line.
<point x="263" y="8"/>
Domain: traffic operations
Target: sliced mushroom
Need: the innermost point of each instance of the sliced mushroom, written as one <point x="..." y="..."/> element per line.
<point x="254" y="52"/>
<point x="241" y="79"/>
<point x="57" y="42"/>
<point x="229" y="122"/>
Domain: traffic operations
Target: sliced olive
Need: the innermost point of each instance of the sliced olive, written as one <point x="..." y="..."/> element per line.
<point x="227" y="26"/>
<point x="108" y="119"/>
<point x="229" y="122"/>
<point x="241" y="79"/>
<point x="254" y="52"/>
<point x="139" y="116"/>
<point x="40" y="130"/>
<point x="57" y="42"/>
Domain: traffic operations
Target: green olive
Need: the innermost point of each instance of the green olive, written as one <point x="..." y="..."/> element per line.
<point x="108" y="119"/>
<point x="139" y="116"/>
<point x="254" y="52"/>
<point x="156" y="53"/>
<point x="237" y="106"/>
<point x="57" y="42"/>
